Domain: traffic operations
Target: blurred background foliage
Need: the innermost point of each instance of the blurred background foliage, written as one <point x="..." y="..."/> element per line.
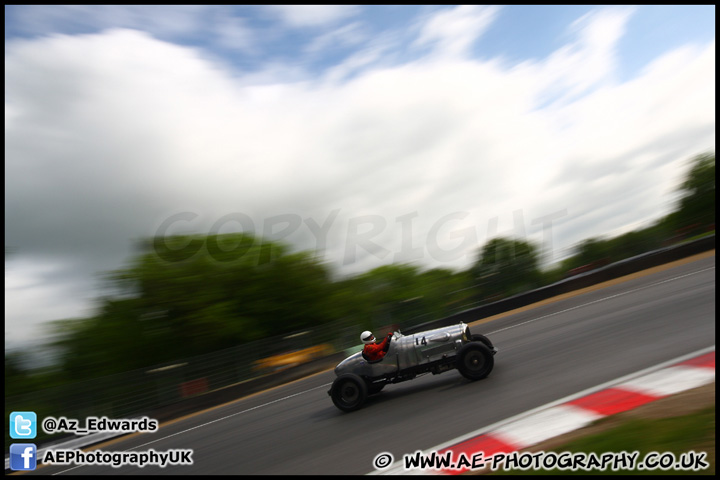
<point x="188" y="296"/>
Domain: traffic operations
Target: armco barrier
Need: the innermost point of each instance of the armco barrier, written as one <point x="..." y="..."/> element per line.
<point x="603" y="274"/>
<point x="234" y="392"/>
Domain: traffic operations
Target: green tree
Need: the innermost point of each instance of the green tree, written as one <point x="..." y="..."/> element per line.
<point x="592" y="250"/>
<point x="399" y="294"/>
<point x="174" y="303"/>
<point x="697" y="202"/>
<point x="392" y="291"/>
<point x="506" y="267"/>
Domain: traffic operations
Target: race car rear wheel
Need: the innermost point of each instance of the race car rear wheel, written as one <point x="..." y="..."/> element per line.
<point x="348" y="392"/>
<point x="475" y="361"/>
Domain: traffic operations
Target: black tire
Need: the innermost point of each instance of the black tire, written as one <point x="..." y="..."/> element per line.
<point x="475" y="361"/>
<point x="349" y="392"/>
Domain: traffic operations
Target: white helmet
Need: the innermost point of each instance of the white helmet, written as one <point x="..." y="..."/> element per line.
<point x="367" y="337"/>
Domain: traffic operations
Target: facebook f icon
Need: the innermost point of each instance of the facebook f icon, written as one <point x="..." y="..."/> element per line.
<point x="23" y="425"/>
<point x="23" y="456"/>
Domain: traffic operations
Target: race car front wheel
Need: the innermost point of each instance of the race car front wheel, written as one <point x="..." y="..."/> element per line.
<point x="475" y="361"/>
<point x="348" y="392"/>
<point x="476" y="337"/>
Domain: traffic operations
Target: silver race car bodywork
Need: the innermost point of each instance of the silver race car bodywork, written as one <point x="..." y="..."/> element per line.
<point x="433" y="351"/>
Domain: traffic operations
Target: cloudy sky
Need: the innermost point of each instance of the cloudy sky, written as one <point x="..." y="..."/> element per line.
<point x="369" y="134"/>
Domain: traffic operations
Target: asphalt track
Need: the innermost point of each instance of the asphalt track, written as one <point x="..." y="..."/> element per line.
<point x="545" y="353"/>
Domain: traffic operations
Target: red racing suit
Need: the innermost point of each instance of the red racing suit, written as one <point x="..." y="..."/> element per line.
<point x="376" y="351"/>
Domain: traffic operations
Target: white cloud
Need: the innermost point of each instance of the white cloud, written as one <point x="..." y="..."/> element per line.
<point x="587" y="61"/>
<point x="312" y="15"/>
<point x="35" y="293"/>
<point x="107" y="135"/>
<point x="453" y="31"/>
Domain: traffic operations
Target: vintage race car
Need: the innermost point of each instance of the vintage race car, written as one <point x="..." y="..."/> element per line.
<point x="433" y="351"/>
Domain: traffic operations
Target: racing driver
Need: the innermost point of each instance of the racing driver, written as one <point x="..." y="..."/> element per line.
<point x="374" y="351"/>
